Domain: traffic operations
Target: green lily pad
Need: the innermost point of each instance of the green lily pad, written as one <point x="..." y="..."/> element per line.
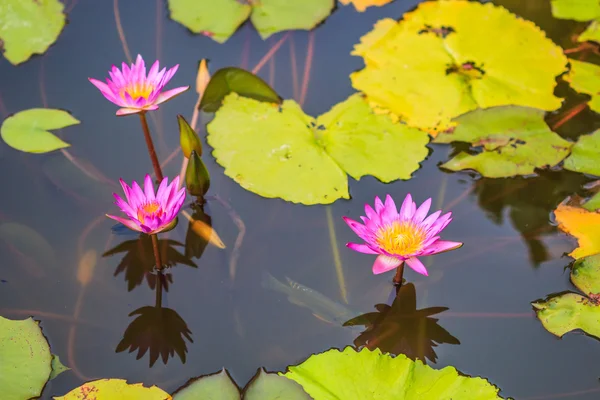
<point x="220" y="21"/>
<point x="580" y="10"/>
<point x="566" y="312"/>
<point x="25" y="359"/>
<point x="513" y="141"/>
<point x="585" y="155"/>
<point x="263" y="386"/>
<point x="436" y="64"/>
<point x="593" y="203"/>
<point x="28" y="130"/>
<point x="216" y="386"/>
<point x="237" y="80"/>
<point x="278" y="151"/>
<point x="29" y="27"/>
<point x="57" y="367"/>
<point x="366" y="374"/>
<point x="585" y="78"/>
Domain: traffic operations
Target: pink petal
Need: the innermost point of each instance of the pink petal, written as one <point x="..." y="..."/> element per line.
<point x="406" y="211"/>
<point x="442" y="246"/>
<point x="378" y="206"/>
<point x="105" y="90"/>
<point x="153" y="72"/>
<point x="440" y="224"/>
<point x="422" y="211"/>
<point x="123" y="205"/>
<point x="390" y="212"/>
<point x="417" y="265"/>
<point x="431" y="219"/>
<point x="361" y="248"/>
<point x="137" y="196"/>
<point x="162" y="190"/>
<point x="150" y="107"/>
<point x="133" y="225"/>
<point x="177" y="201"/>
<point x="385" y="263"/>
<point x="128" y="111"/>
<point x="358" y="228"/>
<point x="371" y="214"/>
<point x="149" y="188"/>
<point x="126" y="189"/>
<point x="169" y="94"/>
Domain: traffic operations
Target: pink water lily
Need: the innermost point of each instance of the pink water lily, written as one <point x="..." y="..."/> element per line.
<point x="134" y="91"/>
<point x="400" y="236"/>
<point x="146" y="211"/>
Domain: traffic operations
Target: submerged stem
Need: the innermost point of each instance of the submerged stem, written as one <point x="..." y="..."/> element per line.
<point x="156" y="252"/>
<point x="151" y="151"/>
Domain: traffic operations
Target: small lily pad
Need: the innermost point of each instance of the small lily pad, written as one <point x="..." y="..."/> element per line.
<point x="108" y="389"/>
<point x="57" y="367"/>
<point x="436" y="63"/>
<point x="216" y="386"/>
<point x="278" y="151"/>
<point x="265" y="386"/>
<point x="585" y="155"/>
<point x="29" y="27"/>
<point x="513" y="141"/>
<point x="28" y="130"/>
<point x="237" y="80"/>
<point x="566" y="312"/>
<point x="366" y="374"/>
<point x="593" y="203"/>
<point x="25" y="359"/>
<point x="585" y="78"/>
<point x="219" y="21"/>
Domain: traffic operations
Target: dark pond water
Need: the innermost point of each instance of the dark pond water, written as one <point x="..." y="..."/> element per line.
<point x="512" y="254"/>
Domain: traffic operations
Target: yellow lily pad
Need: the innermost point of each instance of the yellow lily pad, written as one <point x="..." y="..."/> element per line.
<point x="115" y="389"/>
<point x="441" y="61"/>
<point x="582" y="224"/>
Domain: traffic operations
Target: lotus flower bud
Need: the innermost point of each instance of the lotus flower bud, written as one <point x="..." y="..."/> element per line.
<point x="197" y="178"/>
<point x="188" y="138"/>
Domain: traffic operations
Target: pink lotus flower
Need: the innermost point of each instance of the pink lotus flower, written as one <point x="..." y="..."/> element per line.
<point x="147" y="212"/>
<point x="135" y="92"/>
<point x="400" y="236"/>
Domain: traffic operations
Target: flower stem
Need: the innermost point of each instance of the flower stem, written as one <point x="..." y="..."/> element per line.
<point x="159" y="287"/>
<point x="151" y="151"/>
<point x="399" y="273"/>
<point x="156" y="252"/>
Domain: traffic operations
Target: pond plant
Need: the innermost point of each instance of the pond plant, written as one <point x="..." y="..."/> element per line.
<point x="436" y="78"/>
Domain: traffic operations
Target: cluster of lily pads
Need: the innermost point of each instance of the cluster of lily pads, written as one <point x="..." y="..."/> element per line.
<point x="426" y="77"/>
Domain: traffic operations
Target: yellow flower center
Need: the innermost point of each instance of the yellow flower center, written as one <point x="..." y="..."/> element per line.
<point x="137" y="90"/>
<point x="402" y="238"/>
<point x="148" y="209"/>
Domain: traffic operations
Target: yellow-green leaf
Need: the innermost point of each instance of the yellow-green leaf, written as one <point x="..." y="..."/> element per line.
<point x="580" y="10"/>
<point x="28" y="130"/>
<point x="278" y="151"/>
<point x="585" y="78"/>
<point x="566" y="312"/>
<point x="585" y="155"/>
<point x="437" y="63"/>
<point x="29" y="27"/>
<point x="513" y="141"/>
<point x="113" y="389"/>
<point x="362" y="5"/>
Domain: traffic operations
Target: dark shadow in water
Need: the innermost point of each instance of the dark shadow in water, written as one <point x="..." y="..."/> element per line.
<point x="529" y="202"/>
<point x="138" y="262"/>
<point x="157" y="330"/>
<point x="402" y="329"/>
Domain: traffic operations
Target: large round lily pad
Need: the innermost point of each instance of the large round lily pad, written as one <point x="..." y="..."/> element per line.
<point x="513" y="141"/>
<point x="29" y="27"/>
<point x="366" y="374"/>
<point x="219" y="20"/>
<point x="25" y="359"/>
<point x="450" y="57"/>
<point x="585" y="78"/>
<point x="278" y="151"/>
<point x="585" y="155"/>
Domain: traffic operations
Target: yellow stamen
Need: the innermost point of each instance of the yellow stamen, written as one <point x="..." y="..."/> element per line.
<point x="148" y="209"/>
<point x="402" y="238"/>
<point x="137" y="90"/>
